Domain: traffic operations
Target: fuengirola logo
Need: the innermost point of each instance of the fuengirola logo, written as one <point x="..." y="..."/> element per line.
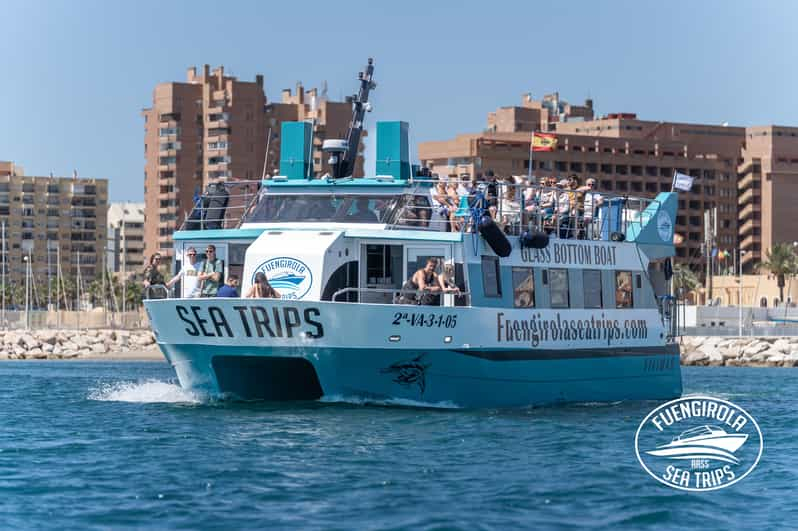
<point x="290" y="277"/>
<point x="698" y="443"/>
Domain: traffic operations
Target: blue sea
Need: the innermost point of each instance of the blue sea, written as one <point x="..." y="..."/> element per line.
<point x="98" y="445"/>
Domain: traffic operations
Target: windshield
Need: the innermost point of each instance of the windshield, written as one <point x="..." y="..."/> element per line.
<point x="271" y="208"/>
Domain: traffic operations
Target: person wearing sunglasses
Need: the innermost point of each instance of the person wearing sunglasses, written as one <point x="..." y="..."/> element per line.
<point x="188" y="274"/>
<point x="153" y="277"/>
<point x="210" y="273"/>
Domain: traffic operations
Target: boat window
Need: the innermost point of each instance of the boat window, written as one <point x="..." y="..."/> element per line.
<point x="558" y="288"/>
<point x="349" y="208"/>
<point x="591" y="280"/>
<point x="383" y="272"/>
<point x="491" y="280"/>
<point x="523" y="287"/>
<point x="343" y="277"/>
<point x="623" y="289"/>
<point x="414" y="211"/>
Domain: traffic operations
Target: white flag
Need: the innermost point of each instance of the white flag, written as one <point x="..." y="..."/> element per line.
<point x="682" y="182"/>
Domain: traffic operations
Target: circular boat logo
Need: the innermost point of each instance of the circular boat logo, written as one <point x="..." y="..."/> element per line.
<point x="665" y="226"/>
<point x="698" y="443"/>
<point x="290" y="277"/>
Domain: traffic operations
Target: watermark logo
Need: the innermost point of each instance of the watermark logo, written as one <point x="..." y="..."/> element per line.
<point x="290" y="277"/>
<point x="698" y="443"/>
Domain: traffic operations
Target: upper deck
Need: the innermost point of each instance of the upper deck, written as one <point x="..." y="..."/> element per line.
<point x="429" y="205"/>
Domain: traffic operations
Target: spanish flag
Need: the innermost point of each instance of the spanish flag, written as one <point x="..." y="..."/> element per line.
<point x="543" y="142"/>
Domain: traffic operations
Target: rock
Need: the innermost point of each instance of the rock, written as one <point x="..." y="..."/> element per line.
<point x="715" y="358"/>
<point x="99" y="348"/>
<point x="48" y="337"/>
<point x="36" y="353"/>
<point x="29" y="342"/>
<point x="694" y="358"/>
<point x="47" y="347"/>
<point x="755" y="348"/>
<point x="19" y="351"/>
<point x="782" y="345"/>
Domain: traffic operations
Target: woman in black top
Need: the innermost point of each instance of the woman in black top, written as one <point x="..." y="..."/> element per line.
<point x="153" y="277"/>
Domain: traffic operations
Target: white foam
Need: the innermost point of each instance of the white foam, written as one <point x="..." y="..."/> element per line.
<point x="402" y="402"/>
<point x="144" y="392"/>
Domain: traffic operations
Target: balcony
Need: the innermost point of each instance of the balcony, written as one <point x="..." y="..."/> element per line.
<point x="749" y="210"/>
<point x="750" y="240"/>
<point x="749" y="225"/>
<point x="752" y="195"/>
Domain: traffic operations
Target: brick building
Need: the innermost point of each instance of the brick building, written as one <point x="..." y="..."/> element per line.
<point x="214" y="126"/>
<point x="52" y="219"/>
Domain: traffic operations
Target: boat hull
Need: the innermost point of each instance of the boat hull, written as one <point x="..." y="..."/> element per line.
<point x="465" y="374"/>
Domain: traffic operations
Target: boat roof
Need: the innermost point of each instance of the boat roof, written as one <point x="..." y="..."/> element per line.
<point x="251" y="233"/>
<point x="346" y="185"/>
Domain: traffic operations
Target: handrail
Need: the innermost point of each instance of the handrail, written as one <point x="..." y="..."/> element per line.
<point x="414" y="292"/>
<point x="516" y="207"/>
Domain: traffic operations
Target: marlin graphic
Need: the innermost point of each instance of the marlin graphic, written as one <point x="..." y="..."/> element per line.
<point x="409" y="372"/>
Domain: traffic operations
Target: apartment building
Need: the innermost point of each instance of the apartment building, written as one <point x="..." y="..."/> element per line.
<point x="215" y="127"/>
<point x="52" y="220"/>
<point x="126" y="239"/>
<point x="767" y="191"/>
<point x="624" y="154"/>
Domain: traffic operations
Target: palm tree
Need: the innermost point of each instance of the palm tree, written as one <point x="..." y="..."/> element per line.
<point x="782" y="262"/>
<point x="684" y="279"/>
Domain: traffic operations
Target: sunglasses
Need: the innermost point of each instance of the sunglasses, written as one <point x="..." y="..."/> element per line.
<point x="192" y="254"/>
<point x="209" y="251"/>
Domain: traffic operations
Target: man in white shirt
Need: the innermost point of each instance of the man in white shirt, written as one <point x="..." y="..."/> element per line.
<point x="593" y="200"/>
<point x="188" y="273"/>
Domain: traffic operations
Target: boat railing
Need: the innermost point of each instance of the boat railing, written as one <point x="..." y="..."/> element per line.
<point x="518" y="206"/>
<point x="410" y="297"/>
<point x="222" y="206"/>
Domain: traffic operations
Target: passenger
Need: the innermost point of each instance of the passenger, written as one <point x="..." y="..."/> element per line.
<point x="229" y="288"/>
<point x="593" y="201"/>
<point x="442" y="207"/>
<point x="188" y="275"/>
<point x="563" y="209"/>
<point x="577" y="196"/>
<point x="153" y="277"/>
<point x="448" y="279"/>
<point x="548" y="197"/>
<point x="211" y="273"/>
<point x="427" y="283"/>
<point x="491" y="188"/>
<point x="261" y="289"/>
<point x="362" y="213"/>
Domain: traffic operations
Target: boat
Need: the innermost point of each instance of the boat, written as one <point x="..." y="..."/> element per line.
<point x="536" y="311"/>
<point x="703" y="442"/>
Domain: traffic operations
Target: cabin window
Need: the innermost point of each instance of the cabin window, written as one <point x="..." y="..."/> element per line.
<point x="343" y="277"/>
<point x="558" y="288"/>
<point x="591" y="282"/>
<point x="383" y="272"/>
<point x="523" y="287"/>
<point x="491" y="280"/>
<point x="623" y="289"/>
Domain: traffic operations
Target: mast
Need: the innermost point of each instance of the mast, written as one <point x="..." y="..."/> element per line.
<point x="360" y="107"/>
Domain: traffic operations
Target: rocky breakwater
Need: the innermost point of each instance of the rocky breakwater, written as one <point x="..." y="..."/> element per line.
<point x="65" y="344"/>
<point x="740" y="351"/>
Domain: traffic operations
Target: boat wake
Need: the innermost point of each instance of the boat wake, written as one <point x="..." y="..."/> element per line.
<point x="401" y="402"/>
<point x="144" y="392"/>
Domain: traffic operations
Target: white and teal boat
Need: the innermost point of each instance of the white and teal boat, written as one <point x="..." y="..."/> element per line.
<point x="537" y="319"/>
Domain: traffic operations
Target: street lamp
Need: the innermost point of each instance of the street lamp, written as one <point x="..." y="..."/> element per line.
<point x="740" y="296"/>
<point x="26" y="259"/>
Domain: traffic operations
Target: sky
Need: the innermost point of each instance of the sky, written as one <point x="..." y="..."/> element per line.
<point x="74" y="75"/>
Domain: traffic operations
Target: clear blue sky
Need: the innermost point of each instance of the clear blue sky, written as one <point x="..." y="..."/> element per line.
<point x="75" y="75"/>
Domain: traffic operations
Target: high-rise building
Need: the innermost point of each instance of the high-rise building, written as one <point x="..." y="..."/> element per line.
<point x="767" y="191"/>
<point x="51" y="221"/>
<point x="126" y="239"/>
<point x="624" y="154"/>
<point x="214" y="127"/>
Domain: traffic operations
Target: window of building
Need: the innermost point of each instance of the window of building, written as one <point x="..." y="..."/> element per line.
<point x="491" y="278"/>
<point x="576" y="166"/>
<point x="591" y="280"/>
<point x="561" y="166"/>
<point x="558" y="288"/>
<point x="623" y="289"/>
<point x="523" y="287"/>
<point x="607" y="185"/>
<point x="622" y="185"/>
<point x="591" y="167"/>
<point x="606" y="168"/>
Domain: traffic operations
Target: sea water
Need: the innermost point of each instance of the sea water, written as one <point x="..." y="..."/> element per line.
<point x="120" y="445"/>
